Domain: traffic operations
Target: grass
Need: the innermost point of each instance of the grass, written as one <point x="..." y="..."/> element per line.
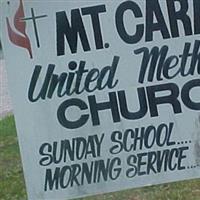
<point x="11" y="175"/>
<point x="12" y="183"/>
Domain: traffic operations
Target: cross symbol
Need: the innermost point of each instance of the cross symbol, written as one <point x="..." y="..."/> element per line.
<point x="34" y="18"/>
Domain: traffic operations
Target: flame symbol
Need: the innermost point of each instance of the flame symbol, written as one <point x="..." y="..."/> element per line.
<point x="15" y="38"/>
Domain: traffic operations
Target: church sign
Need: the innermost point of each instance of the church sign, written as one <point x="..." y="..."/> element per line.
<point x="106" y="94"/>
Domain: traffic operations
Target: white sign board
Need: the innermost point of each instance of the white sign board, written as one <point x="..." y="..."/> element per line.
<point x="106" y="94"/>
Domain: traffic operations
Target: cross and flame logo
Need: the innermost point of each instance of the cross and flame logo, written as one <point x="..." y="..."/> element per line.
<point x="22" y="39"/>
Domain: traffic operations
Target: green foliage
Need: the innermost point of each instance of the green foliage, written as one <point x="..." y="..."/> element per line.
<point x="12" y="185"/>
